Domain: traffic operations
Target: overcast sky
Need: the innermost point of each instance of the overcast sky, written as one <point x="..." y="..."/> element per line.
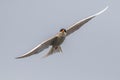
<point x="91" y="53"/>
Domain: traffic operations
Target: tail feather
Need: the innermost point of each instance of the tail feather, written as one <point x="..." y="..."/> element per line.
<point x="53" y="50"/>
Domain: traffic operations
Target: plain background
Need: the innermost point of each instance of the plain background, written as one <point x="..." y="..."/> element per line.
<point x="91" y="53"/>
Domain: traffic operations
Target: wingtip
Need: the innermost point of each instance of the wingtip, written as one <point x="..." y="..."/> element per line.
<point x="102" y="11"/>
<point x="17" y="57"/>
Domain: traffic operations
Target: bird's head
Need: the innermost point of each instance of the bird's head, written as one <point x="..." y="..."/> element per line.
<point x="63" y="30"/>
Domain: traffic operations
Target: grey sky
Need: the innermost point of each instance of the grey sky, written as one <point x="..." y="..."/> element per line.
<point x="91" y="53"/>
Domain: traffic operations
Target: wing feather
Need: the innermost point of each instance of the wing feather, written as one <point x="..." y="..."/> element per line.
<point x="38" y="48"/>
<point x="77" y="25"/>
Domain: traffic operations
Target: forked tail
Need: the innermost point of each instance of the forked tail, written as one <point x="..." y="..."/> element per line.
<point x="53" y="50"/>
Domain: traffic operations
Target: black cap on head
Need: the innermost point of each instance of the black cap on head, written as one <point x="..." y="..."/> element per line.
<point x="62" y="29"/>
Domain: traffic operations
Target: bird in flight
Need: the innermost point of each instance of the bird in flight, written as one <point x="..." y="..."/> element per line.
<point x="58" y="39"/>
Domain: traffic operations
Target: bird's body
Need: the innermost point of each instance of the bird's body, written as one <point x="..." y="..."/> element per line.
<point x="58" y="39"/>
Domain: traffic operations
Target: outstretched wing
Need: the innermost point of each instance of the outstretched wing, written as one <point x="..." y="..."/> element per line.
<point x="38" y="48"/>
<point x="77" y="25"/>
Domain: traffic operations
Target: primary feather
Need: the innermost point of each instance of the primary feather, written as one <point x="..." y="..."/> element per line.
<point x="39" y="48"/>
<point x="80" y="23"/>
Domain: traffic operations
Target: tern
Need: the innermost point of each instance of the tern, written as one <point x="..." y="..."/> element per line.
<point x="59" y="38"/>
